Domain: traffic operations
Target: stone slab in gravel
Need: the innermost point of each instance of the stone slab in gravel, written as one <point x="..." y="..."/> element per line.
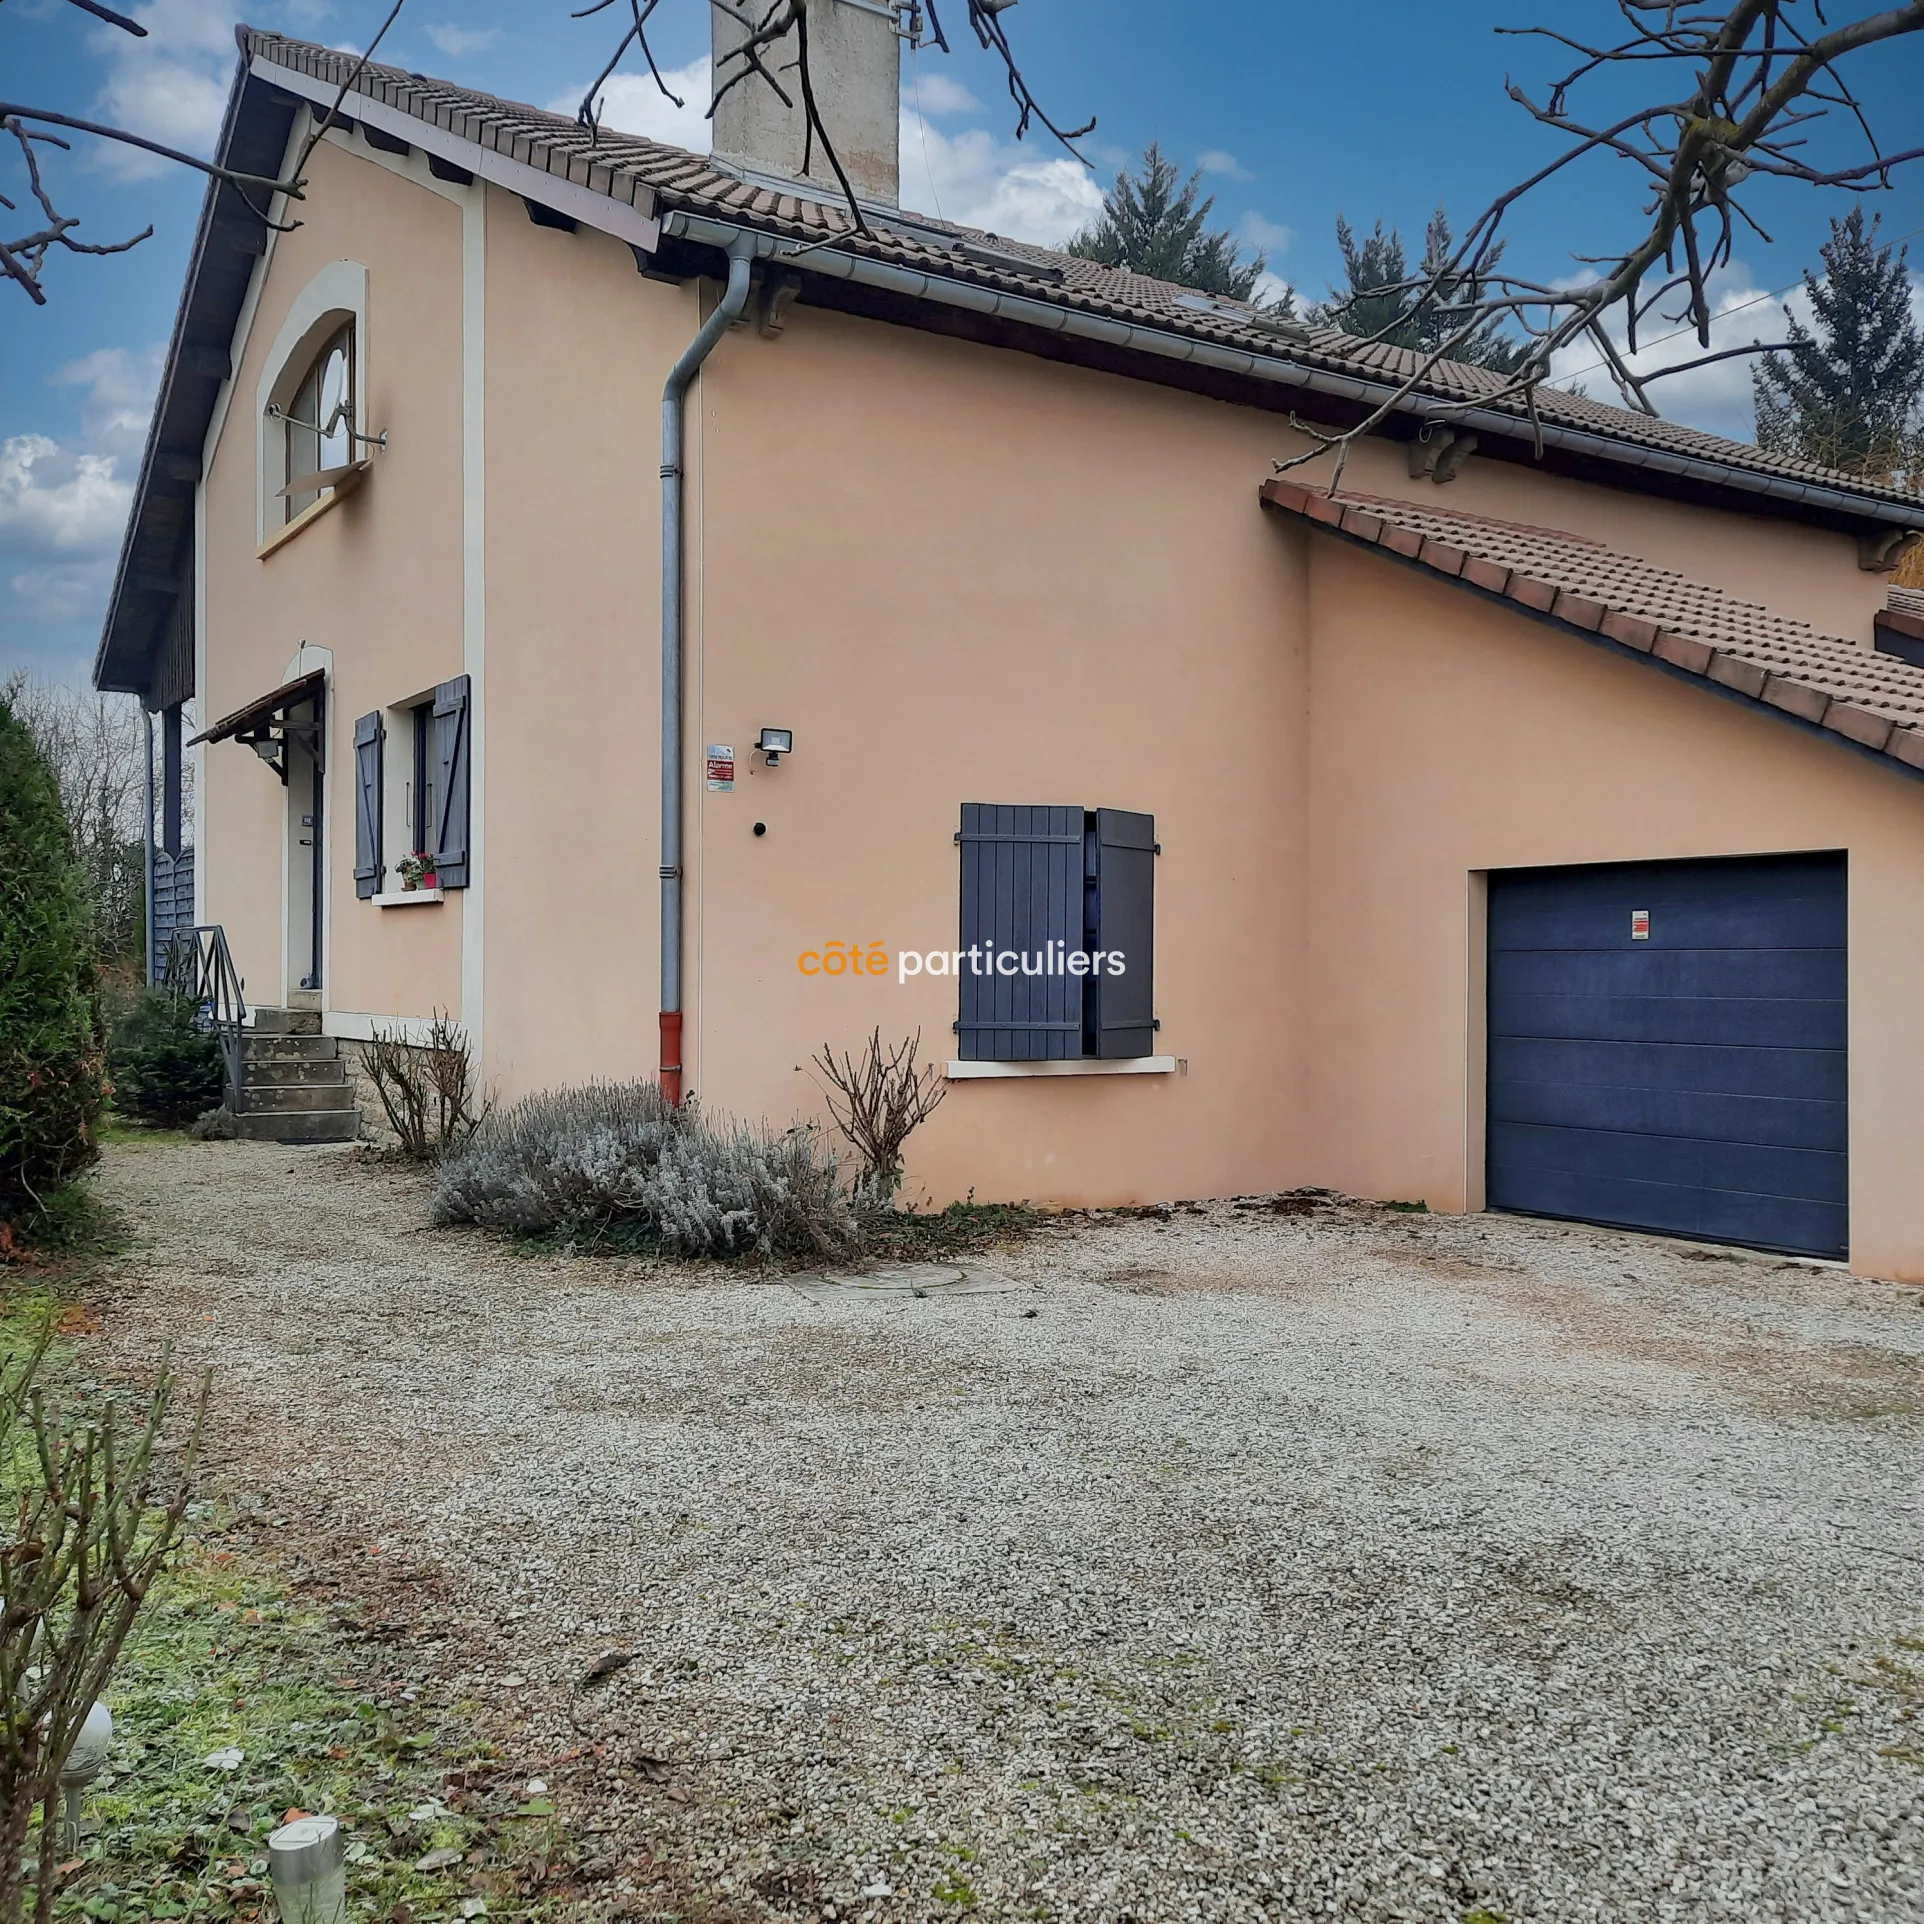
<point x="1236" y="1563"/>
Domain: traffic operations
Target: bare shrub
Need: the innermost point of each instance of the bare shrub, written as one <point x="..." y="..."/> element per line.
<point x="430" y="1089"/>
<point x="93" y="1523"/>
<point x="878" y="1101"/>
<point x="619" y="1157"/>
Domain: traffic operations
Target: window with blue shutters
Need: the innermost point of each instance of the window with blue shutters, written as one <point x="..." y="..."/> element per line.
<point x="1057" y="954"/>
<point x="447" y="784"/>
<point x="369" y="735"/>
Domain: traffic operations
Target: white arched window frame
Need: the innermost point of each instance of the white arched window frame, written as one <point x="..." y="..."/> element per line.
<point x="318" y="363"/>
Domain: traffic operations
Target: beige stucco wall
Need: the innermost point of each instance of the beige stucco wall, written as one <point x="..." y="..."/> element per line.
<point x="376" y="580"/>
<point x="578" y="345"/>
<point x="961" y="574"/>
<point x="1039" y="592"/>
<point x="1449" y="739"/>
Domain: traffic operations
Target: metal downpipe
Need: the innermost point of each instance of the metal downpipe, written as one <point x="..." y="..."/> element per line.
<point x="147" y="845"/>
<point x="674" y="434"/>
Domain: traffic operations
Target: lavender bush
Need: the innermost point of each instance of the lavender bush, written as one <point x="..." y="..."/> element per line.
<point x="617" y="1157"/>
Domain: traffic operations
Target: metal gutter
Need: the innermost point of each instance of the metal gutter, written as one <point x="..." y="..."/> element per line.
<point x="674" y="435"/>
<point x="1131" y="335"/>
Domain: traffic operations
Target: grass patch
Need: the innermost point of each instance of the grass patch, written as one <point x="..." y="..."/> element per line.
<point x="129" y="1132"/>
<point x="224" y="1660"/>
<point x="962" y="1229"/>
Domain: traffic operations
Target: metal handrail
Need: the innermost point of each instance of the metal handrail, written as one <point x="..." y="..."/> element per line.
<point x="200" y="966"/>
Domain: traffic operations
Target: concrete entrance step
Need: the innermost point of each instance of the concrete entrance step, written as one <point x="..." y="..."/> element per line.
<point x="282" y="1072"/>
<point x="287" y="1022"/>
<point x="325" y="1125"/>
<point x="296" y="1087"/>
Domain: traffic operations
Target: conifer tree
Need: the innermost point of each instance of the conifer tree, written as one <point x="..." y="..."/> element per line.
<point x="1849" y="393"/>
<point x="1156" y="224"/>
<point x="1382" y="299"/>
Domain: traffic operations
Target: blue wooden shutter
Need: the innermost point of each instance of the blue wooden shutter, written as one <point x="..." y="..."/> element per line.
<point x="368" y="733"/>
<point x="1125" y="921"/>
<point x="451" y="730"/>
<point x="1021" y="893"/>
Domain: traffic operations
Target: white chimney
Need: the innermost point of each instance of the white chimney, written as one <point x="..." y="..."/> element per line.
<point x="855" y="64"/>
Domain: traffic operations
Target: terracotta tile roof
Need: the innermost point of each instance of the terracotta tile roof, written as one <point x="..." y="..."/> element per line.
<point x="634" y="170"/>
<point x="1870" y="700"/>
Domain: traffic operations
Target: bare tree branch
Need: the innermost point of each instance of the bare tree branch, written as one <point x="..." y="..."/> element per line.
<point x="112" y="18"/>
<point x="1758" y="84"/>
<point x="23" y="257"/>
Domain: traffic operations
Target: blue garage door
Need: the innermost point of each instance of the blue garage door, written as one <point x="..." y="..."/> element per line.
<point x="1667" y="1048"/>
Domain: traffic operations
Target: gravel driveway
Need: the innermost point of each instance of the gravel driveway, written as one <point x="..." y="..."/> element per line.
<point x="1229" y="1564"/>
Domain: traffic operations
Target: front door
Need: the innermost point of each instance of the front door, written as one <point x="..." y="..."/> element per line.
<point x="306" y="825"/>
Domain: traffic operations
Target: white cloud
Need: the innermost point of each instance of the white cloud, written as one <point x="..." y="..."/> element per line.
<point x="1271" y="289"/>
<point x="1716" y="398"/>
<point x="968" y="176"/>
<point x="58" y="504"/>
<point x="631" y="103"/>
<point x="456" y="42"/>
<point x="936" y="93"/>
<point x="1266" y="236"/>
<point x="979" y="181"/>
<point x="63" y="507"/>
<point x="171" y="86"/>
<point x="1215" y="161"/>
<point x="120" y="384"/>
<point x="61" y="514"/>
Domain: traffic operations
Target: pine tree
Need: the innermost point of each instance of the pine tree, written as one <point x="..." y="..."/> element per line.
<point x="1382" y="301"/>
<point x="50" y="1067"/>
<point x="1851" y="394"/>
<point x="1153" y="226"/>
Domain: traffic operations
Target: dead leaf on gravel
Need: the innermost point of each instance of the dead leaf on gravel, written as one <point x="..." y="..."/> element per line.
<point x="605" y="1666"/>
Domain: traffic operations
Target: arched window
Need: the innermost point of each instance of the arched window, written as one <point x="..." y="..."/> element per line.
<point x="319" y="418"/>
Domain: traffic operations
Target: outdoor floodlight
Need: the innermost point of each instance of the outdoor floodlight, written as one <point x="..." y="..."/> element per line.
<point x="775" y="743"/>
<point x="308" y="1865"/>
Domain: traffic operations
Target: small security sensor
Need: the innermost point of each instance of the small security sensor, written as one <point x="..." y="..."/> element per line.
<point x="775" y="743"/>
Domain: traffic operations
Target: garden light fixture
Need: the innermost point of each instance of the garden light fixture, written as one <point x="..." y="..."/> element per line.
<point x="308" y="1865"/>
<point x="85" y="1762"/>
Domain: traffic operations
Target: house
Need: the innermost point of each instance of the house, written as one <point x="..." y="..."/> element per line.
<point x="1535" y="823"/>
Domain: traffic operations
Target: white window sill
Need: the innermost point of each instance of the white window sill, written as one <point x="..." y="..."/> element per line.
<point x="406" y="898"/>
<point x="1078" y="1066"/>
<point x="310" y="514"/>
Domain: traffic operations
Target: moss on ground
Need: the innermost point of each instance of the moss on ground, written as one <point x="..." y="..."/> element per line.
<point x="226" y="1666"/>
<point x="225" y="1659"/>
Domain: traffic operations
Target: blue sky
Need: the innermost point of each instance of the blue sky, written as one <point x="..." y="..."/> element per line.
<point x="1298" y="112"/>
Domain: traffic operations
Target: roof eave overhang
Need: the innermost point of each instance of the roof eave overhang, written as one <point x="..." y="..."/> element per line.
<point x="154" y="567"/>
<point x="1683" y="659"/>
<point x="1637" y="466"/>
<point x="155" y="564"/>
